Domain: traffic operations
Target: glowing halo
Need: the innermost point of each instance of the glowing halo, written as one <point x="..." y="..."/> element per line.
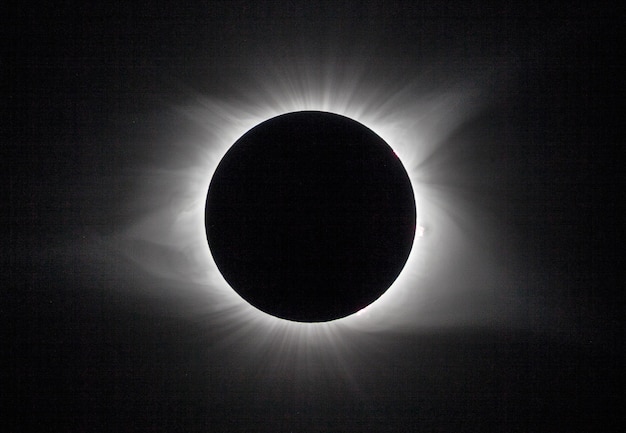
<point x="412" y="120"/>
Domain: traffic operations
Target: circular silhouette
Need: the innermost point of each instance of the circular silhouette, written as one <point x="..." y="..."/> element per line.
<point x="310" y="216"/>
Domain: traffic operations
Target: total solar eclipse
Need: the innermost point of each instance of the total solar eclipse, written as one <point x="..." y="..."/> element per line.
<point x="310" y="216"/>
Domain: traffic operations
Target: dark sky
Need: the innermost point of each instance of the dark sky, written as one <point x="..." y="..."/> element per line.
<point x="514" y="319"/>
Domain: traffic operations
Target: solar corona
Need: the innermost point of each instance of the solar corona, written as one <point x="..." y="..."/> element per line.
<point x="304" y="209"/>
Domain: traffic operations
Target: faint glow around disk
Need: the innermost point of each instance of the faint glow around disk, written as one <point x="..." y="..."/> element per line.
<point x="412" y="123"/>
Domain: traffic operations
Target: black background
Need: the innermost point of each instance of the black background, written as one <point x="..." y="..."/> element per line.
<point x="88" y="345"/>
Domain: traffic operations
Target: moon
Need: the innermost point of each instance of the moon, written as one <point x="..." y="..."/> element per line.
<point x="310" y="216"/>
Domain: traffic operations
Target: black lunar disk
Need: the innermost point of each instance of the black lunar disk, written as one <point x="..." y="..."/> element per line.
<point x="310" y="216"/>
